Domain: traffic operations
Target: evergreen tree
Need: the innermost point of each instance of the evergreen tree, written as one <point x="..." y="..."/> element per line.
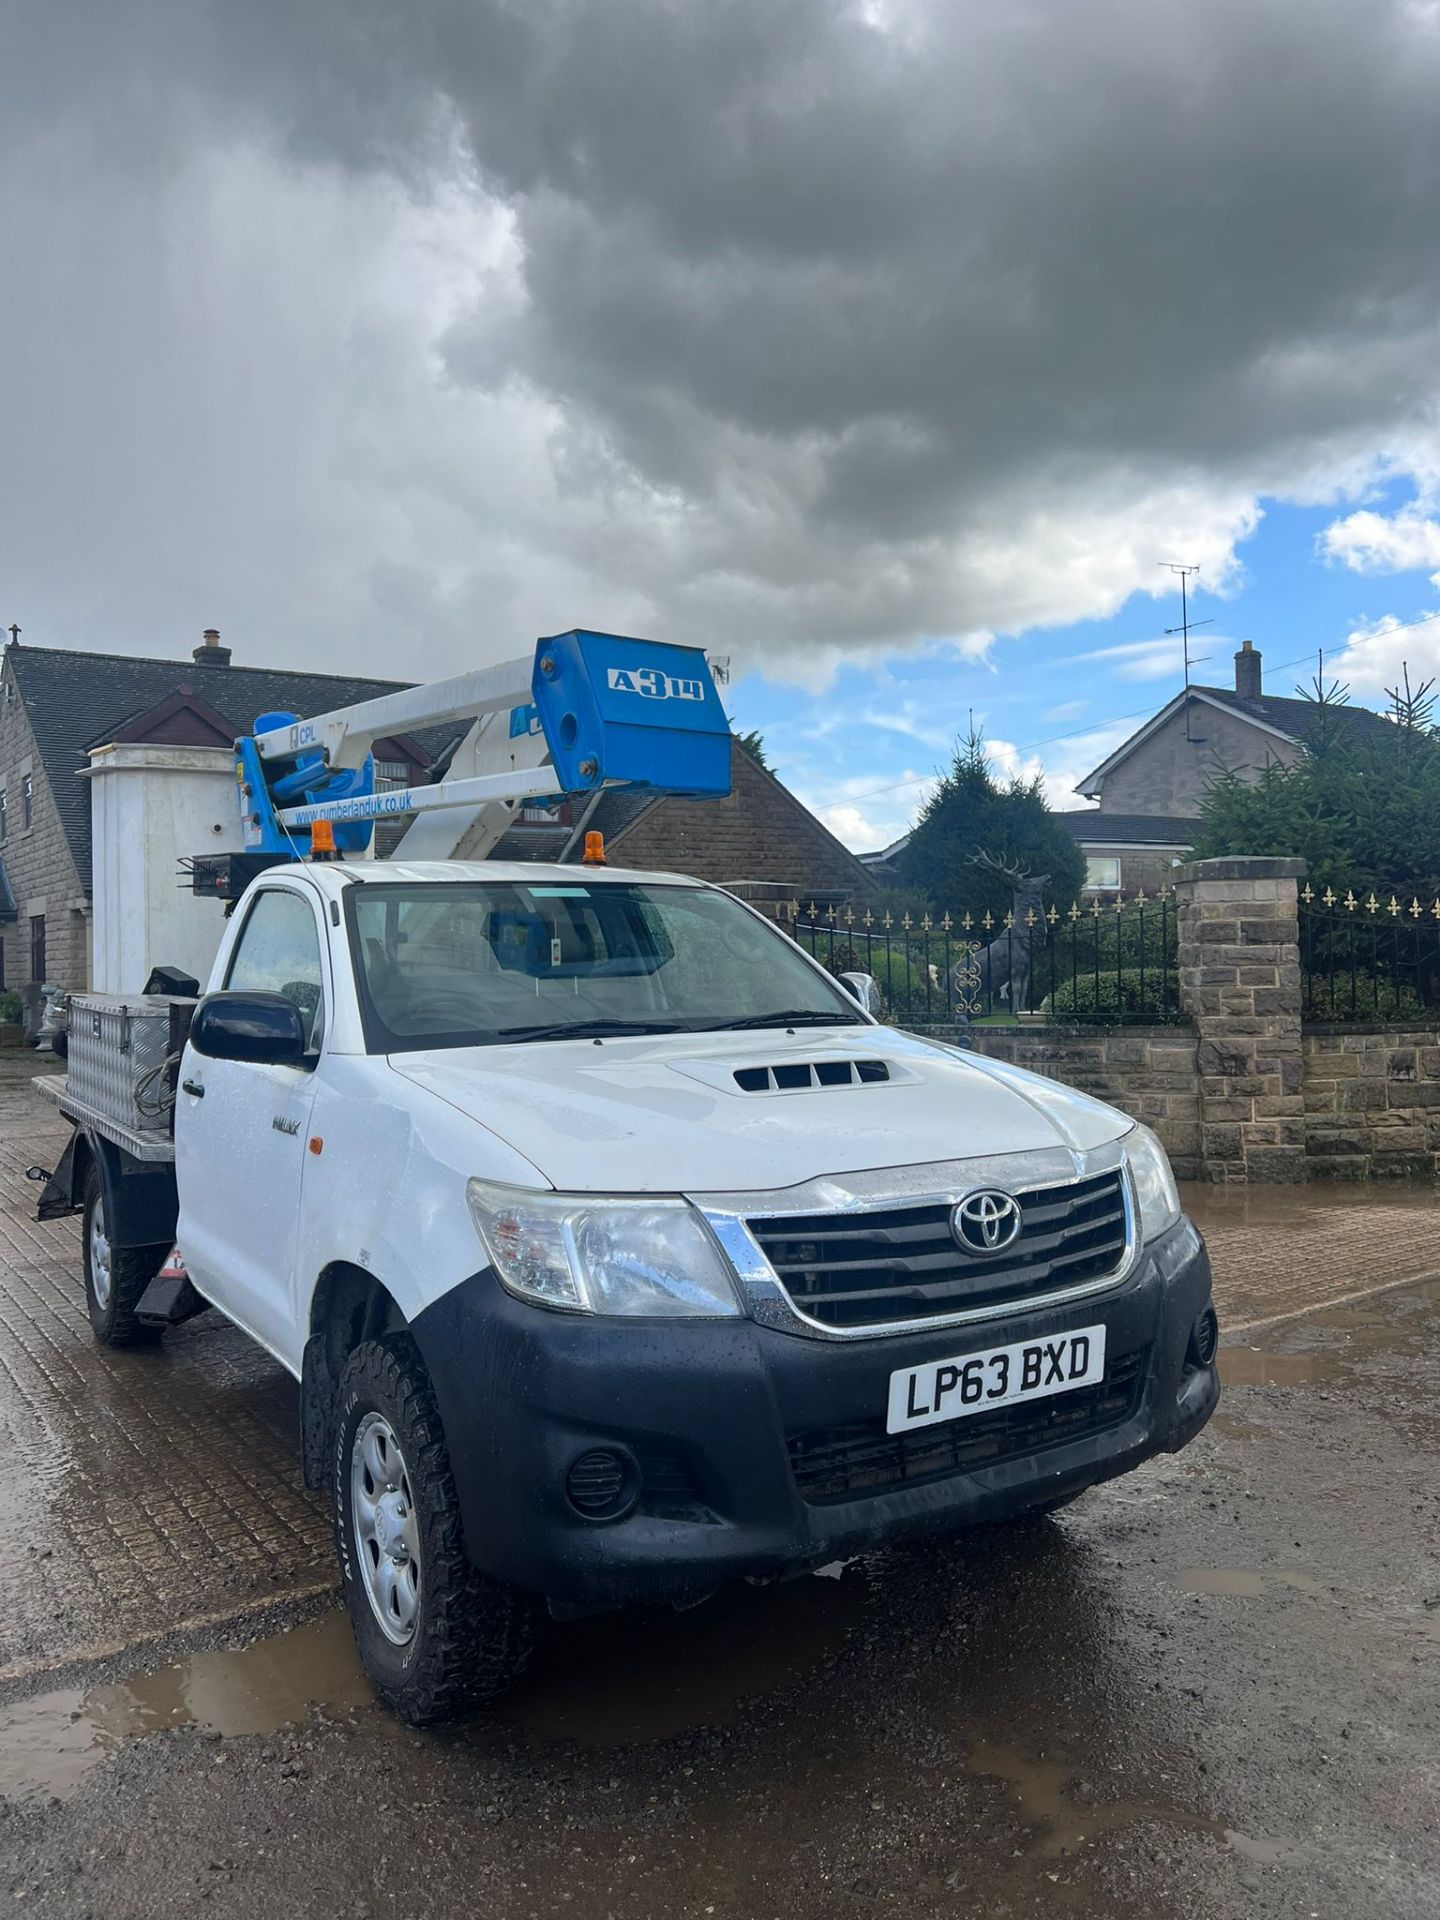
<point x="973" y="823"/>
<point x="1361" y="809"/>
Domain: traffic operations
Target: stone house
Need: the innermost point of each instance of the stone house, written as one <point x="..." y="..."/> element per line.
<point x="1150" y="790"/>
<point x="58" y="703"/>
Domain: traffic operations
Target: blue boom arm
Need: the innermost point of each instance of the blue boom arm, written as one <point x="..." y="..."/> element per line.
<point x="613" y="712"/>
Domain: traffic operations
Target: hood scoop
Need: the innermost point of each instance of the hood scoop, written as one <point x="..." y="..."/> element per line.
<point x="805" y="1076"/>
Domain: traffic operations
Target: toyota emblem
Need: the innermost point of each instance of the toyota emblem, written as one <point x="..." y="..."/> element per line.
<point x="986" y="1222"/>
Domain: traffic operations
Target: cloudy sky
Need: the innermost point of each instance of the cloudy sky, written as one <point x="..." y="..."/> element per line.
<point x="889" y="348"/>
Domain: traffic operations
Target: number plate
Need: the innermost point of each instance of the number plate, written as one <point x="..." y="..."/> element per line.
<point x="973" y="1382"/>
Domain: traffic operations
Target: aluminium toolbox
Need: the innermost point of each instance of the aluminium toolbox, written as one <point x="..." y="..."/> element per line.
<point x="118" y="1047"/>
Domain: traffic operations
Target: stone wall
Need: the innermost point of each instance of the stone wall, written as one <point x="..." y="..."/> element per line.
<point x="1148" y="1072"/>
<point x="42" y="872"/>
<point x="1239" y="973"/>
<point x="1240" y="1092"/>
<point x="1372" y="1102"/>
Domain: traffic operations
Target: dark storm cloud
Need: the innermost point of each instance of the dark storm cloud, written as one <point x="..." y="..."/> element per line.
<point x="867" y="309"/>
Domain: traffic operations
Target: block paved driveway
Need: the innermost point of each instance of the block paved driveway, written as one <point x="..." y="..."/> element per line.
<point x="154" y="1489"/>
<point x="145" y="1489"/>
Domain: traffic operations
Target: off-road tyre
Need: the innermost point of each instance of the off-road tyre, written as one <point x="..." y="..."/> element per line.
<point x="472" y="1634"/>
<point x="111" y="1299"/>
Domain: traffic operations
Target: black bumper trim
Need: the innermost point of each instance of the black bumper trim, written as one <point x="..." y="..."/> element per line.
<point x="523" y="1392"/>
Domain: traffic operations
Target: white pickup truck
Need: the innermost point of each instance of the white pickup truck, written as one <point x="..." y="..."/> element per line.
<point x="620" y="1254"/>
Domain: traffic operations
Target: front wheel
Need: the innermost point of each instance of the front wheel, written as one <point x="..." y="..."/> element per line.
<point x="115" y="1277"/>
<point x="435" y="1634"/>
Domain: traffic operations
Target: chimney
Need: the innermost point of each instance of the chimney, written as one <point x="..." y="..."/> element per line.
<point x="1247" y="672"/>
<point x="210" y="653"/>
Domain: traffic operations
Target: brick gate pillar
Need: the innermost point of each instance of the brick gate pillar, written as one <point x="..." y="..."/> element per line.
<point x="1239" y="970"/>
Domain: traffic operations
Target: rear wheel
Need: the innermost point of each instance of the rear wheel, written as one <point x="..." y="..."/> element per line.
<point x="435" y="1634"/>
<point x="115" y="1277"/>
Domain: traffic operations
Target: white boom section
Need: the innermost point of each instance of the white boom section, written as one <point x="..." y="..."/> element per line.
<point x="481" y="792"/>
<point x="346" y="735"/>
<point x="488" y="749"/>
<point x="490" y="774"/>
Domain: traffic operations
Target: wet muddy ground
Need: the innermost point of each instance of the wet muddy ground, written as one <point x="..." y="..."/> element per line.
<point x="1210" y="1689"/>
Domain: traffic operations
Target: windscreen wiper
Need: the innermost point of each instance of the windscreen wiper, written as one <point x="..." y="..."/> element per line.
<point x="587" y="1029"/>
<point x="798" y="1017"/>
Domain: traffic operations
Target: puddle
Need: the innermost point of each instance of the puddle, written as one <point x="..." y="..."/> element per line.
<point x="616" y="1680"/>
<point x="1248" y="1367"/>
<point x="1234" y="1206"/>
<point x="1263" y="1852"/>
<point x="1041" y="1788"/>
<point x="623" y="1679"/>
<point x="1246" y="1583"/>
<point x="1065" y="1825"/>
<point x="48" y="1744"/>
<point x="1353" y="1334"/>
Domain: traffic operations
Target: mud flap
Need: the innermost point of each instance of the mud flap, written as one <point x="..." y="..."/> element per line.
<point x="317" y="1402"/>
<point x="169" y="1298"/>
<point x="59" y="1198"/>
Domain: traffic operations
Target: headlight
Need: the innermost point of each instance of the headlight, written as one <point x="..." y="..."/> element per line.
<point x="1154" y="1182"/>
<point x="651" y="1258"/>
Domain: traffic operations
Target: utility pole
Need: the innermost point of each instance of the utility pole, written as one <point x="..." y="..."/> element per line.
<point x="1186" y="623"/>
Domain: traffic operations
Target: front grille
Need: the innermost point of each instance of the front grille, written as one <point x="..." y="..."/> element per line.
<point x="902" y="1263"/>
<point x="845" y="1463"/>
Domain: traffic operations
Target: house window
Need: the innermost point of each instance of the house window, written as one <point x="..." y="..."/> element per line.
<point x="4" y="816"/>
<point x="27" y="801"/>
<point x="37" y="948"/>
<point x="390" y="774"/>
<point x="1102" y="873"/>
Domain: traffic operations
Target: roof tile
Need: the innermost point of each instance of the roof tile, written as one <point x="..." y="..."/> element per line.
<point x="77" y="700"/>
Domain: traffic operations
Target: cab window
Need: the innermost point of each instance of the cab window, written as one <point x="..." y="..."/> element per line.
<point x="279" y="952"/>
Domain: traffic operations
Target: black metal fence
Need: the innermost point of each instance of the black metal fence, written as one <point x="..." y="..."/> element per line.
<point x="1365" y="957"/>
<point x="1101" y="962"/>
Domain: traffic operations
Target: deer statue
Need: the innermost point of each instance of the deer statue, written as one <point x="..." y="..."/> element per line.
<point x="1001" y="970"/>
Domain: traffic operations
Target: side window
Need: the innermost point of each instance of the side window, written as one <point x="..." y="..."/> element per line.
<point x="279" y="952"/>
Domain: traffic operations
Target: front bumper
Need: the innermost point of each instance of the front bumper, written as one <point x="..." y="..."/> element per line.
<point x="710" y="1412"/>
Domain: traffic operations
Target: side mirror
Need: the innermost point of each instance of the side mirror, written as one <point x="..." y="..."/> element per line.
<point x="263" y="1028"/>
<point x="865" y="988"/>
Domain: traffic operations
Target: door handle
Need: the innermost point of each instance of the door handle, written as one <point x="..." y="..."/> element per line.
<point x="194" y="1086"/>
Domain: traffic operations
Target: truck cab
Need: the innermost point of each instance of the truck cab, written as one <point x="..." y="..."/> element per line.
<point x="621" y="1253"/>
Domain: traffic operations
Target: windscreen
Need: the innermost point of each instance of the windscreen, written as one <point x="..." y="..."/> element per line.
<point x="459" y="965"/>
